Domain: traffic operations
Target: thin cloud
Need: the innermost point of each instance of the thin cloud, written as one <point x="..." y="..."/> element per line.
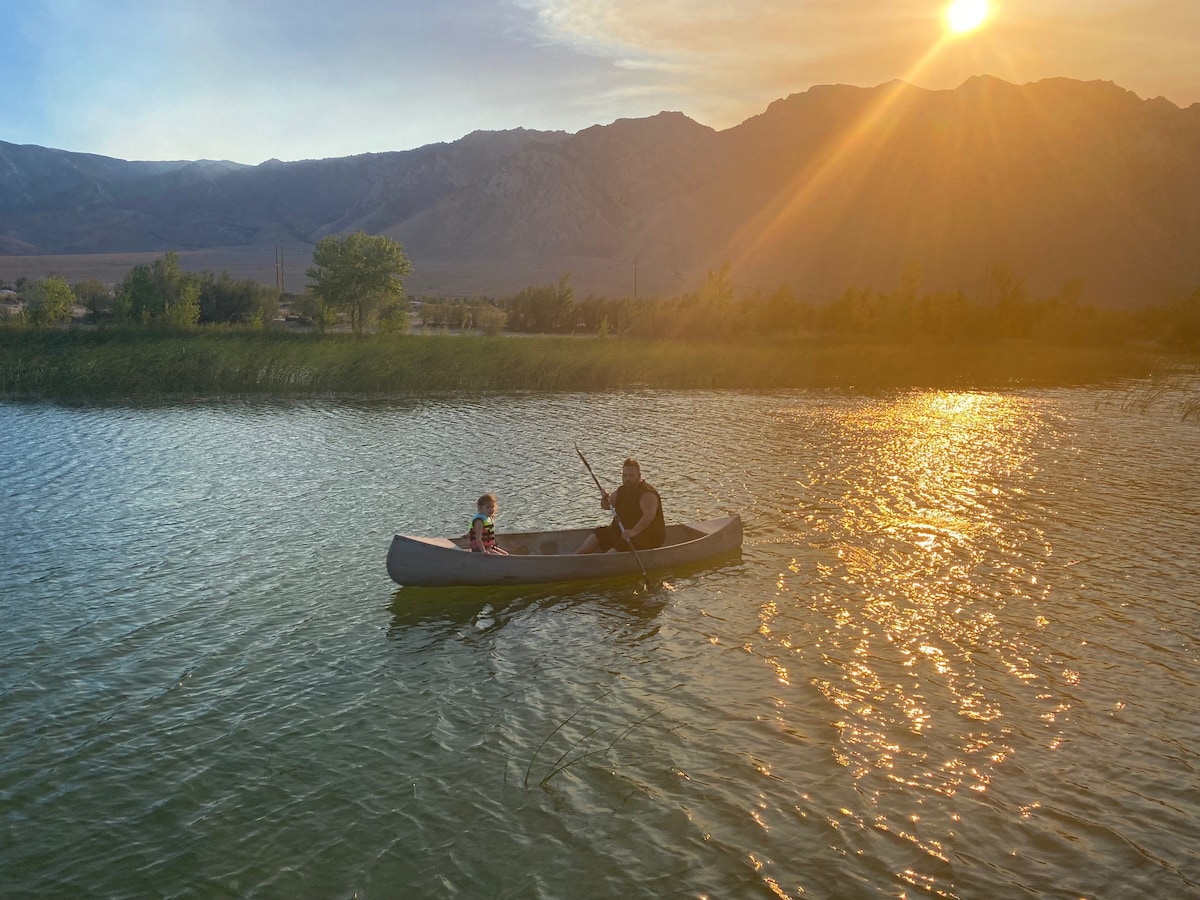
<point x="303" y="78"/>
<point x="726" y="55"/>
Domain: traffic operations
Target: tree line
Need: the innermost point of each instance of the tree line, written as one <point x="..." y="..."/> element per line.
<point x="358" y="279"/>
<point x="1004" y="308"/>
<point x="156" y="294"/>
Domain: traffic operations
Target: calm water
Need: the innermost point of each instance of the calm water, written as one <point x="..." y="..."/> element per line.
<point x="959" y="655"/>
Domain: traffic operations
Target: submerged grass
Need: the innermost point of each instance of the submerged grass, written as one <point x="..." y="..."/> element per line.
<point x="116" y="364"/>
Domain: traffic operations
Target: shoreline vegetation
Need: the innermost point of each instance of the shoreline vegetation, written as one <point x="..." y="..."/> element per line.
<point x="163" y="333"/>
<point x="122" y="364"/>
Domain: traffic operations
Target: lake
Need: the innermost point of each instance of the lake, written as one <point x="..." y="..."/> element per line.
<point x="958" y="655"/>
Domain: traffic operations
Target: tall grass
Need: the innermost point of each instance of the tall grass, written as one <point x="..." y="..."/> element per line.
<point x="114" y="364"/>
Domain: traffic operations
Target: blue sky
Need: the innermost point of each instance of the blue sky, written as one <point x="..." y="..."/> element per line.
<point x="249" y="80"/>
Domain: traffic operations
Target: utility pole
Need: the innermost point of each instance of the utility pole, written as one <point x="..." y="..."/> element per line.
<point x="279" y="271"/>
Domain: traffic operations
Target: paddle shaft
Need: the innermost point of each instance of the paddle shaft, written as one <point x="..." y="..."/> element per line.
<point x="616" y="515"/>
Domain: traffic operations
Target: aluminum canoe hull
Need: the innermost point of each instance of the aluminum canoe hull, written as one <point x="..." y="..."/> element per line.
<point x="543" y="557"/>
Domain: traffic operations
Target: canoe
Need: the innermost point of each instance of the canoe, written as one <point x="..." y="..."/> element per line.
<point x="542" y="557"/>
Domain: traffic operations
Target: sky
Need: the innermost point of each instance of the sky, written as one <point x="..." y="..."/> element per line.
<point x="251" y="80"/>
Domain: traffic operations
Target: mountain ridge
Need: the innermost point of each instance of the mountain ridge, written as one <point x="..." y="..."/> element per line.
<point x="837" y="186"/>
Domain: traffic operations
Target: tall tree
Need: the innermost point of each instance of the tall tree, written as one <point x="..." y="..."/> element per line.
<point x="1006" y="297"/>
<point x="358" y="272"/>
<point x="315" y="311"/>
<point x="178" y="291"/>
<point x="95" y="296"/>
<point x="136" y="301"/>
<point x="545" y="309"/>
<point x="160" y="292"/>
<point x="50" y="301"/>
<point x="224" y="300"/>
<point x="183" y="311"/>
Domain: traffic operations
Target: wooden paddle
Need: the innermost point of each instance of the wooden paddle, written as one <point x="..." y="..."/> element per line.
<point x="616" y="516"/>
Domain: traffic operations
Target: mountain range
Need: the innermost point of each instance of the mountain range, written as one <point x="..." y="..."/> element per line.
<point x="836" y="187"/>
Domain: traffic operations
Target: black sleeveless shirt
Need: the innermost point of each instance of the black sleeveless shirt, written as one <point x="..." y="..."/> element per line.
<point x="628" y="504"/>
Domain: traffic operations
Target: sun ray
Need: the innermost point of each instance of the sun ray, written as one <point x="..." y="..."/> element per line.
<point x="861" y="138"/>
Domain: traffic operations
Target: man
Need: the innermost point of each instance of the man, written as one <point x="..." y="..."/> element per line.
<point x="637" y="516"/>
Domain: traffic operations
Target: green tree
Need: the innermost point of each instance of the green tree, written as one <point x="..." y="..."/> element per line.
<point x="95" y="297"/>
<point x="717" y="290"/>
<point x="184" y="309"/>
<point x="314" y="311"/>
<point x="393" y="317"/>
<point x="224" y="300"/>
<point x="710" y="313"/>
<point x="778" y="313"/>
<point x="1184" y="321"/>
<point x="358" y="273"/>
<point x="1006" y="298"/>
<point x="490" y="319"/>
<point x="911" y="278"/>
<point x="136" y="301"/>
<point x="160" y="292"/>
<point x="49" y="301"/>
<point x="546" y="309"/>
<point x="949" y="315"/>
<point x="851" y="313"/>
<point x="434" y="312"/>
<point x="462" y="314"/>
<point x="178" y="291"/>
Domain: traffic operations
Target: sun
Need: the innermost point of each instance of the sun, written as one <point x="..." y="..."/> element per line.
<point x="966" y="15"/>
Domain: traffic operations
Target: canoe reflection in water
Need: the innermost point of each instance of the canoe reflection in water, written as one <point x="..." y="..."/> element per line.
<point x="467" y="611"/>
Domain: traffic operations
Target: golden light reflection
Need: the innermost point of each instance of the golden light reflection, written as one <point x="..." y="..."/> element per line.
<point x="926" y="597"/>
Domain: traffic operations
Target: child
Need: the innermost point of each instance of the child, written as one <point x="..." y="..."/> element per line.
<point x="483" y="533"/>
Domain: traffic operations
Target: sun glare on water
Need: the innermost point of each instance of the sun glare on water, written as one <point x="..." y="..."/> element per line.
<point x="966" y="15"/>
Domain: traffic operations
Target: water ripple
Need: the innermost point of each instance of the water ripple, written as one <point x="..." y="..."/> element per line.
<point x="956" y="657"/>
